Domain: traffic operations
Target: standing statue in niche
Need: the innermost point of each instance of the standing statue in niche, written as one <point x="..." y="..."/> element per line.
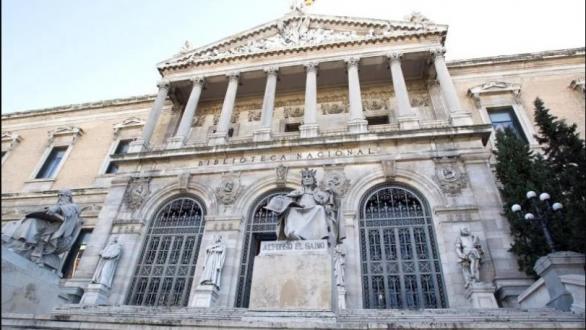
<point x="43" y="235"/>
<point x="470" y="254"/>
<point x="309" y="213"/>
<point x="339" y="262"/>
<point x="108" y="263"/>
<point x="214" y="261"/>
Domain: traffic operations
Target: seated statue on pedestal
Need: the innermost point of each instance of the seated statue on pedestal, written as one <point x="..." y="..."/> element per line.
<point x="307" y="214"/>
<point x="43" y="235"/>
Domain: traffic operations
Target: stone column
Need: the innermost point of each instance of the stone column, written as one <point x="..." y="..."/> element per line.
<point x="149" y="127"/>
<point x="310" y="128"/>
<point x="457" y="115"/>
<point x="405" y="114"/>
<point x="190" y="108"/>
<point x="268" y="106"/>
<point x="357" y="123"/>
<point x="221" y="135"/>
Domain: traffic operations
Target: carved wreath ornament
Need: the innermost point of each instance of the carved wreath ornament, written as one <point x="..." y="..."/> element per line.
<point x="450" y="178"/>
<point x="229" y="188"/>
<point x="137" y="192"/>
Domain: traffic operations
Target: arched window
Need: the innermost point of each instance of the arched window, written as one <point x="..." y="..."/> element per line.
<point x="399" y="257"/>
<point x="260" y="226"/>
<point x="165" y="269"/>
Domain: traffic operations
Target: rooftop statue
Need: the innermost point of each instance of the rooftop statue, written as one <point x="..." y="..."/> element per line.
<point x="43" y="235"/>
<point x="308" y="213"/>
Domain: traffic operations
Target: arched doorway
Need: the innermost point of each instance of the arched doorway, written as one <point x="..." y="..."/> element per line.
<point x="260" y="226"/>
<point x="399" y="257"/>
<point x="165" y="269"/>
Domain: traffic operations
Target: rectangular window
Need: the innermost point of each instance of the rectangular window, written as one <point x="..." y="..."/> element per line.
<point x="293" y="127"/>
<point x="74" y="256"/>
<point x="378" y="120"/>
<point x="502" y="118"/>
<point x="121" y="149"/>
<point x="49" y="168"/>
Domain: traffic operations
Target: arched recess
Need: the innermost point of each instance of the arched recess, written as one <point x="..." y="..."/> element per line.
<point x="260" y="225"/>
<point x="167" y="261"/>
<point x="399" y="258"/>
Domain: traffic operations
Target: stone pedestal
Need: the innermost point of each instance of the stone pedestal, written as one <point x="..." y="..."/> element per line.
<point x="408" y="122"/>
<point x="175" y="142"/>
<point x="341" y="297"/>
<point x="481" y="295"/>
<point x="28" y="288"/>
<point x="218" y="139"/>
<point x="357" y="126"/>
<point x="551" y="268"/>
<point x="95" y="294"/>
<point x="292" y="275"/>
<point x="261" y="134"/>
<point x="309" y="130"/>
<point x="205" y="296"/>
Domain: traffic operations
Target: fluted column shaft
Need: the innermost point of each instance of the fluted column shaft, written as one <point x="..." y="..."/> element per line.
<point x="228" y="106"/>
<point x="310" y="111"/>
<point x="155" y="112"/>
<point x="268" y="103"/>
<point x="354" y="97"/>
<point x="399" y="86"/>
<point x="190" y="108"/>
<point x="445" y="80"/>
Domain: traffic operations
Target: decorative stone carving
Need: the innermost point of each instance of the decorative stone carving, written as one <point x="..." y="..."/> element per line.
<point x="449" y="176"/>
<point x="293" y="112"/>
<point x="417" y="17"/>
<point x="187" y="47"/>
<point x="254" y="115"/>
<point x="127" y="123"/>
<point x="12" y="139"/>
<point x="308" y="213"/>
<point x="281" y="172"/>
<point x="374" y="104"/>
<point x="233" y="118"/>
<point x="470" y="253"/>
<point x="421" y="100"/>
<point x="333" y="108"/>
<point x="107" y="264"/>
<point x="229" y="188"/>
<point x="43" y="235"/>
<point x="137" y="192"/>
<point x="389" y="168"/>
<point x="578" y="84"/>
<point x="197" y="121"/>
<point x="493" y="87"/>
<point x="336" y="181"/>
<point x="214" y="262"/>
<point x="74" y="132"/>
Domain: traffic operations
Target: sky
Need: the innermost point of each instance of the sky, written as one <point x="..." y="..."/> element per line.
<point x="61" y="52"/>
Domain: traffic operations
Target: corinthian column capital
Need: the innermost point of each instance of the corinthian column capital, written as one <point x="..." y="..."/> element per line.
<point x="197" y="80"/>
<point x="438" y="52"/>
<point x="352" y="61"/>
<point x="311" y="66"/>
<point x="271" y="70"/>
<point x="164" y="83"/>
<point x="233" y="75"/>
<point x="394" y="56"/>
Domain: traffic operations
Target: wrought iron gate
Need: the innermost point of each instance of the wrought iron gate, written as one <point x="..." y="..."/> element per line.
<point x="260" y="226"/>
<point x="165" y="269"/>
<point x="400" y="263"/>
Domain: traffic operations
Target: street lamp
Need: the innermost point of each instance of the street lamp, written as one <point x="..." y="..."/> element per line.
<point x="539" y="213"/>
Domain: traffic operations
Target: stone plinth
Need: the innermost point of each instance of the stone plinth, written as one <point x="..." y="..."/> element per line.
<point x="481" y="295"/>
<point x="357" y="126"/>
<point x="408" y="122"/>
<point x="95" y="294"/>
<point x="292" y="275"/>
<point x="309" y="130"/>
<point x="205" y="296"/>
<point x="27" y="287"/>
<point x="261" y="134"/>
<point x="551" y="268"/>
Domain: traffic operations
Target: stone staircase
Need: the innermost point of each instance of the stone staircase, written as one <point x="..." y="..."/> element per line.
<point x="136" y="317"/>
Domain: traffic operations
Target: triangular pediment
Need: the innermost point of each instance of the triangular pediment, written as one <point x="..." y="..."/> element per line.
<point x="297" y="31"/>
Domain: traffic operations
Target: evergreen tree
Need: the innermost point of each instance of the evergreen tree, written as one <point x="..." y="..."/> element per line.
<point x="560" y="171"/>
<point x="519" y="171"/>
<point x="565" y="154"/>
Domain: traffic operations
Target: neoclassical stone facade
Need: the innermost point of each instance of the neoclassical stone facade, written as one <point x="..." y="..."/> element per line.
<point x="402" y="136"/>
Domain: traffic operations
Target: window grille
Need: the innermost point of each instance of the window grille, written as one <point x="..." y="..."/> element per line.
<point x="260" y="226"/>
<point x="165" y="269"/>
<point x="399" y="258"/>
